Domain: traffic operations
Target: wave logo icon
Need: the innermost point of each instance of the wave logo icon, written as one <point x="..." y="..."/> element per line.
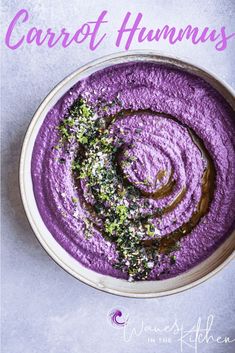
<point x="118" y="317"/>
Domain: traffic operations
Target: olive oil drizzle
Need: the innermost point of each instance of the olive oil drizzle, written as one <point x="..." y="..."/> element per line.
<point x="130" y="246"/>
<point x="169" y="243"/>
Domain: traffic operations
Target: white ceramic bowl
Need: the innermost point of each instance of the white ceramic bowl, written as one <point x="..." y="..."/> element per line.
<point x="144" y="289"/>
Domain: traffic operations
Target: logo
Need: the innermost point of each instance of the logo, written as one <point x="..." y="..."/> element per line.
<point x="118" y="317"/>
<point x="188" y="339"/>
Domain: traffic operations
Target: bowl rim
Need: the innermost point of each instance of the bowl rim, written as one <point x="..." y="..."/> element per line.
<point x="186" y="64"/>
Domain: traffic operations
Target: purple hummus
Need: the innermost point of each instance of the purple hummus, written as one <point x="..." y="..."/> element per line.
<point x="134" y="171"/>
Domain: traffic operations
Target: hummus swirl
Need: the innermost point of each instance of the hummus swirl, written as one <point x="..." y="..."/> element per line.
<point x="133" y="171"/>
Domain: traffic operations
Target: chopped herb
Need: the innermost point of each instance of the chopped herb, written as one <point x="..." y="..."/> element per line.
<point x="159" y="211"/>
<point x="62" y="160"/>
<point x="150" y="229"/>
<point x="173" y="260"/>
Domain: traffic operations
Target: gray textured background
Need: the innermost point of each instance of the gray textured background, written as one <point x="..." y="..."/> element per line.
<point x="45" y="309"/>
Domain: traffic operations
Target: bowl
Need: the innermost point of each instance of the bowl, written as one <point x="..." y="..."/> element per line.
<point x="143" y="289"/>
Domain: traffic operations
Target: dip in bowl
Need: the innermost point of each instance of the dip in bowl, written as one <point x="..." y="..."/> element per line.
<point x="132" y="173"/>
